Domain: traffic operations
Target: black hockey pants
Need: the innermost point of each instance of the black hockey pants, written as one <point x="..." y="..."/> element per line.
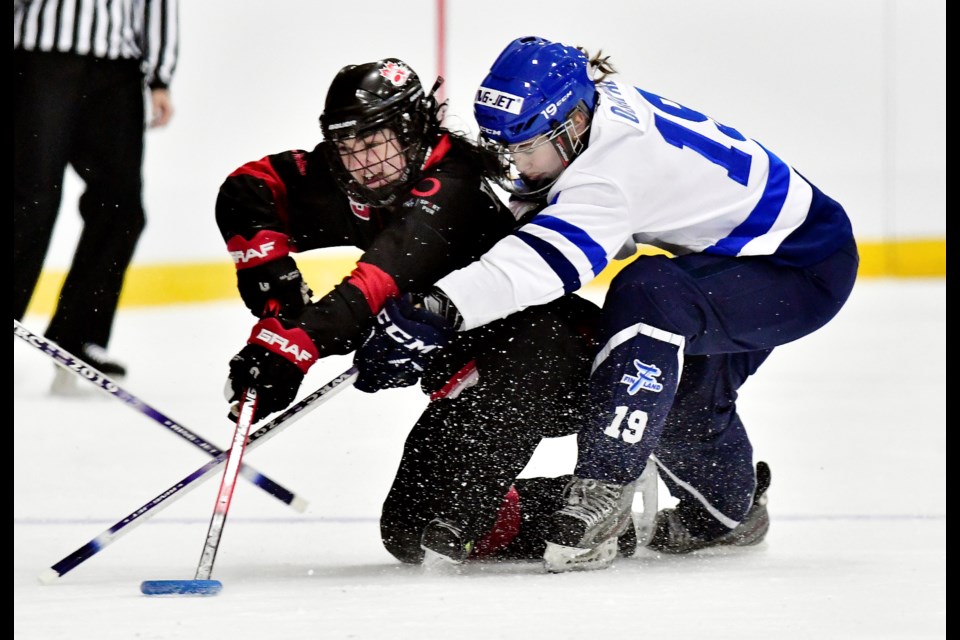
<point x="464" y="453"/>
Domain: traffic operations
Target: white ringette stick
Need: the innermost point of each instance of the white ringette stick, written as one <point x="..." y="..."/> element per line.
<point x="181" y="488"/>
<point x="75" y="365"/>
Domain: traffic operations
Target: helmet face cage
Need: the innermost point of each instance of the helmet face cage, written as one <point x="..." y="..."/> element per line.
<point x="377" y="126"/>
<point x="391" y="155"/>
<point x="564" y="139"/>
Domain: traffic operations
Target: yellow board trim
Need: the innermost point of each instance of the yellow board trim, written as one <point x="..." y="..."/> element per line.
<point x="151" y="285"/>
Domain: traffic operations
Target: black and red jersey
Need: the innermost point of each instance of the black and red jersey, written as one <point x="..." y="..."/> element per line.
<point x="289" y="203"/>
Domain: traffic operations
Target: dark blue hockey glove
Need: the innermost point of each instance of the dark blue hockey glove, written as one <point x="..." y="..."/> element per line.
<point x="404" y="340"/>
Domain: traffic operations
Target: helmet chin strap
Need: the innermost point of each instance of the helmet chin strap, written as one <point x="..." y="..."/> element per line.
<point x="570" y="142"/>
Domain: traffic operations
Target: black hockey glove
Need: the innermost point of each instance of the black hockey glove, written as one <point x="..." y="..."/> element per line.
<point x="406" y="337"/>
<point x="274" y="363"/>
<point x="278" y="280"/>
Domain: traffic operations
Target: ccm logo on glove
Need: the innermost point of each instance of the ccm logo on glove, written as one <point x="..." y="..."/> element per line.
<point x="400" y="336"/>
<point x="293" y="344"/>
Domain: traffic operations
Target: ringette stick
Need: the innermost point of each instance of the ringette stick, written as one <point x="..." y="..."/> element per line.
<point x="75" y="365"/>
<point x="202" y="584"/>
<point x="181" y="488"/>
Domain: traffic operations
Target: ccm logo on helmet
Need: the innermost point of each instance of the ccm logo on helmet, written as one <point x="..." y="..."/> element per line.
<point x="269" y="337"/>
<point x="254" y="253"/>
<point x="499" y="100"/>
<point x="551" y="110"/>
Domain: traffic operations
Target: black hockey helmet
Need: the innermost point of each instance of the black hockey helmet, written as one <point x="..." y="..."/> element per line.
<point x="378" y="103"/>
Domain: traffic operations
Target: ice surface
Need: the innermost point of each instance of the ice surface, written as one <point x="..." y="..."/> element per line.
<point x="852" y="421"/>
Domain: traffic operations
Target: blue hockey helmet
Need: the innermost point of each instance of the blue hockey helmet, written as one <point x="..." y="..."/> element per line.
<point x="529" y="97"/>
<point x="531" y="89"/>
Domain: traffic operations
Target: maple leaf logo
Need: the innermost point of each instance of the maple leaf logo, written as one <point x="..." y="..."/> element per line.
<point x="396" y="74"/>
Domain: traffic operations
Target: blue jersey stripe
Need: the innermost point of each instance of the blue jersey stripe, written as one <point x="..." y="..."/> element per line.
<point x="764" y="214"/>
<point x="555" y="259"/>
<point x="580" y="238"/>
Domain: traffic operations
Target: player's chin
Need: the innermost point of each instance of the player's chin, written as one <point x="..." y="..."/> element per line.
<point x="537" y="181"/>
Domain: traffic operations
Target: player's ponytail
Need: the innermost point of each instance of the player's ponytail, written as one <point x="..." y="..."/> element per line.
<point x="598" y="64"/>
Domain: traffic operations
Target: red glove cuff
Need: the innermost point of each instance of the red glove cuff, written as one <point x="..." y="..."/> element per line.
<point x="376" y="285"/>
<point x="293" y="344"/>
<point x="263" y="247"/>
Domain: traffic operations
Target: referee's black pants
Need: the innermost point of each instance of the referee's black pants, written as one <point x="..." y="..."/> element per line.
<point x="87" y="113"/>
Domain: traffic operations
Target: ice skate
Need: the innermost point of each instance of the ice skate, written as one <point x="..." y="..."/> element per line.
<point x="584" y="533"/>
<point x="98" y="358"/>
<point x="444" y="543"/>
<point x="673" y="536"/>
<point x="68" y="383"/>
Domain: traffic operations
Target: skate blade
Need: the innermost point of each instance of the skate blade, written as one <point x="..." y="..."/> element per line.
<point x="645" y="525"/>
<point x="67" y="385"/>
<point x="438" y="564"/>
<point x="560" y="559"/>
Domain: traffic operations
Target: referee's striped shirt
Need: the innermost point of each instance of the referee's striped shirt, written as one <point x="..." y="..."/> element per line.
<point x="145" y="30"/>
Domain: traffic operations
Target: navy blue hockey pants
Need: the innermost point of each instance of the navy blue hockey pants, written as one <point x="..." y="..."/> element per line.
<point x="679" y="336"/>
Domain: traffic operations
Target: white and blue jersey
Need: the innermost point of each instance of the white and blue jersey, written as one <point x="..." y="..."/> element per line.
<point x="655" y="173"/>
